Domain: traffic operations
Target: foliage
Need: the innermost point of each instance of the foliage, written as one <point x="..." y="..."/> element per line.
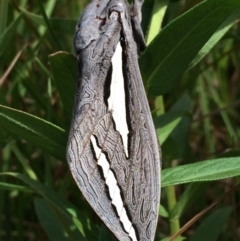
<point x="192" y="64"/>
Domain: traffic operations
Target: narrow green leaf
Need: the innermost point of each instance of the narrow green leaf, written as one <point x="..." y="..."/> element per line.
<point x="3" y="15"/>
<point x="166" y="123"/>
<point x="48" y="137"/>
<point x="212" y="226"/>
<point x="23" y="160"/>
<point x="180" y="134"/>
<point x="163" y="212"/>
<point x="159" y="10"/>
<point x="49" y="7"/>
<point x="179" y="42"/>
<point x="147" y="10"/>
<point x="164" y="132"/>
<point x="64" y="68"/>
<point x="221" y="31"/>
<point x="46" y="19"/>
<point x="204" y="103"/>
<point x="13" y="187"/>
<point x="209" y="170"/>
<point x="63" y="26"/>
<point x="68" y="210"/>
<point x="8" y="34"/>
<point x="49" y="221"/>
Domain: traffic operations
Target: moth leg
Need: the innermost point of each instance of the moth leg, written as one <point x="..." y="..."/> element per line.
<point x="138" y="34"/>
<point x="137" y="9"/>
<point x="136" y="24"/>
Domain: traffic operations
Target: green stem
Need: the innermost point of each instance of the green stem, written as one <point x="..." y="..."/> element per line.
<point x="171" y="197"/>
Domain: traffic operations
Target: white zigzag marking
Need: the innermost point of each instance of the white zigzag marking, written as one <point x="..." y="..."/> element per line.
<point x="114" y="190"/>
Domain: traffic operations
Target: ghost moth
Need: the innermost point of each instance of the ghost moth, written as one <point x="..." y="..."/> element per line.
<point x="112" y="150"/>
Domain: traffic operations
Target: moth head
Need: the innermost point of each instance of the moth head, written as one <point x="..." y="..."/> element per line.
<point x="90" y="24"/>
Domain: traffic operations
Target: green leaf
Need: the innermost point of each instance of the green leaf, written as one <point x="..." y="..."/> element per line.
<point x="13" y="187"/>
<point x="67" y="210"/>
<point x="221" y="31"/>
<point x="64" y="68"/>
<point x="166" y="123"/>
<point x="209" y="170"/>
<point x="163" y="212"/>
<point x="169" y="123"/>
<point x="45" y="16"/>
<point x="49" y="221"/>
<point x="48" y="137"/>
<point x="164" y="132"/>
<point x="63" y="26"/>
<point x="158" y="12"/>
<point x="180" y="134"/>
<point x="212" y="226"/>
<point x="178" y="43"/>
<point x="8" y="34"/>
<point x="3" y="15"/>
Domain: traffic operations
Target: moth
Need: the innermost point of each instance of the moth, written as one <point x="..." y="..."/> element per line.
<point x="113" y="151"/>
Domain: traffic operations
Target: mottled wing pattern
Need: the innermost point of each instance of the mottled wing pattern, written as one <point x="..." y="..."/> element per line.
<point x="113" y="151"/>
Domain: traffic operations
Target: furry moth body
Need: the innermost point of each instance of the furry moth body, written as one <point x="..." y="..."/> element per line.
<point x="112" y="151"/>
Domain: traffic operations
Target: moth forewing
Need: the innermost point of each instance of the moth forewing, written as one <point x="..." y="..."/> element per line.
<point x="113" y="149"/>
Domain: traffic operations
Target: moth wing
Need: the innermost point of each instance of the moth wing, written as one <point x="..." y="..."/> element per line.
<point x="115" y="161"/>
